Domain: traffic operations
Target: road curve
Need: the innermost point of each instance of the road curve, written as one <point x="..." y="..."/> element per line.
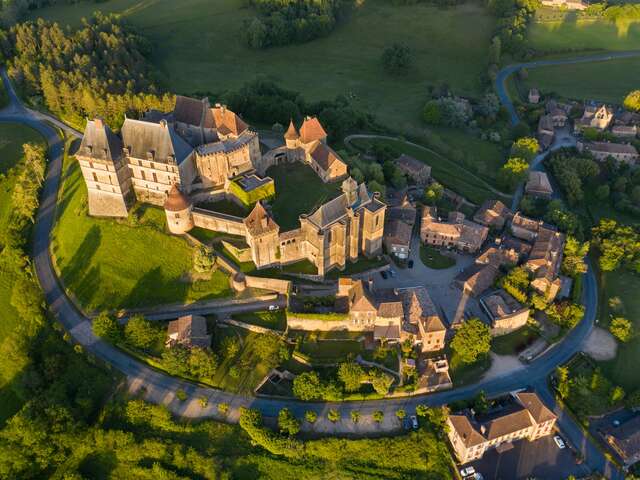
<point x="506" y="72"/>
<point x="161" y="388"/>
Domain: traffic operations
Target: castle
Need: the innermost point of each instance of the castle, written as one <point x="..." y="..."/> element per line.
<point x="201" y="152"/>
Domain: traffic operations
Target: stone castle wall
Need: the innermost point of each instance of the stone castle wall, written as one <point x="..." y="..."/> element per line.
<point x="219" y="222"/>
<point x="274" y="284"/>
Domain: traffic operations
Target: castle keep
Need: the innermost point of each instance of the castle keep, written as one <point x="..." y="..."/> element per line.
<point x="199" y="151"/>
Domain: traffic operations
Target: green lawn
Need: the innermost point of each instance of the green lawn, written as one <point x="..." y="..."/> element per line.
<point x="326" y="351"/>
<point x="444" y="170"/>
<point x="514" y="342"/>
<point x="463" y="373"/>
<point x="556" y="31"/>
<point x="109" y="264"/>
<point x="274" y="320"/>
<point x="362" y="265"/>
<point x="226" y="206"/>
<point x="608" y="81"/>
<point x="12" y="137"/>
<point x="347" y="62"/>
<point x="298" y="190"/>
<point x="432" y="258"/>
<point x="623" y="369"/>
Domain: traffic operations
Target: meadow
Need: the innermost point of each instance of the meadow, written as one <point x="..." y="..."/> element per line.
<point x="198" y="48"/>
<point x="113" y="264"/>
<point x="608" y="81"/>
<point x="12" y="137"/>
<point x="558" y="31"/>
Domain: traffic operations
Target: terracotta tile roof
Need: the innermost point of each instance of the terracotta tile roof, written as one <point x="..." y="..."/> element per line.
<point x="176" y="201"/>
<point x="324" y="156"/>
<point x="291" y="133"/>
<point x="615" y="148"/>
<point x="227" y="122"/>
<point x="99" y="142"/>
<point x="492" y="211"/>
<point x="463" y="427"/>
<point x="311" y="130"/>
<point x="259" y="222"/>
<point x="419" y="307"/>
<point x="190" y="331"/>
<point x="506" y="424"/>
<point x="397" y="232"/>
<point x="389" y="332"/>
<point x="411" y="165"/>
<point x="626" y="438"/>
<point x="538" y="182"/>
<point x="537" y="409"/>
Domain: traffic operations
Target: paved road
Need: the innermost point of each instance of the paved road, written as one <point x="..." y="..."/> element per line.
<point x="509" y="70"/>
<point x="161" y="388"/>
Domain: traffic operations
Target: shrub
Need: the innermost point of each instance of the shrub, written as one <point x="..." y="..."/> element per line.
<point x="288" y="423"/>
<point x="310" y="416"/>
<point x="401" y="414"/>
<point x="378" y="416"/>
<point x="621" y="328"/>
<point x="181" y="395"/>
<point x="107" y="328"/>
<point x="140" y="332"/>
<point x="397" y="58"/>
<point x="355" y="416"/>
<point x="333" y="415"/>
<point x="472" y="340"/>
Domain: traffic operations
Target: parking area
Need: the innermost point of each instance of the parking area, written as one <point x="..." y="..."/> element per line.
<point x="540" y="459"/>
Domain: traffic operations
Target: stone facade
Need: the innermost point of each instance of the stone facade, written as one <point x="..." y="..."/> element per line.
<point x="598" y="117"/>
<point x="525" y="418"/>
<point x="456" y="233"/>
<point x="506" y="314"/>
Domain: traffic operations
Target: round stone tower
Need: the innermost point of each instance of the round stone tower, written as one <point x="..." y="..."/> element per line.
<point x="177" y="207"/>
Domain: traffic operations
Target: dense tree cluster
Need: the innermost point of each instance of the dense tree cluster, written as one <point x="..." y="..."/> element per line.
<point x="618" y="246"/>
<point x="566" y="314"/>
<point x="514" y="17"/>
<point x="448" y="110"/>
<point x="632" y="101"/>
<point x="263" y="101"/>
<point x="99" y="69"/>
<point x="572" y="173"/>
<point x="283" y="22"/>
<point x="310" y="386"/>
<point x="472" y="340"/>
<point x="397" y="58"/>
<point x="620" y="186"/>
<point x="573" y="260"/>
<point x="512" y="172"/>
<point x="621" y="328"/>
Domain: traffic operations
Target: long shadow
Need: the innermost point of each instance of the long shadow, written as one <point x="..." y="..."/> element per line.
<point x="150" y="290"/>
<point x="74" y="272"/>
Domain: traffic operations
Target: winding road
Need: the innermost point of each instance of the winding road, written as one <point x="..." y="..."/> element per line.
<point x="161" y="388"/>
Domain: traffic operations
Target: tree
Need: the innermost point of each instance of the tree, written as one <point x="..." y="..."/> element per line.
<point x="562" y="375"/>
<point x="621" y="328"/>
<point x="333" y="415"/>
<point x="566" y="314"/>
<point x="378" y="416"/>
<point x="204" y="259"/>
<point x="310" y="416"/>
<point x="176" y="360"/>
<point x="513" y="172"/>
<point x="223" y="408"/>
<point x="433" y="193"/>
<point x="381" y="381"/>
<point x="401" y="414"/>
<point x="616" y="395"/>
<point x="307" y="386"/>
<point x="287" y="423"/>
<point x="573" y="262"/>
<point x="230" y="346"/>
<point x="397" y="58"/>
<point x="431" y="113"/>
<point x="422" y="410"/>
<point x="489" y="105"/>
<point x="632" y="101"/>
<point x="202" y="363"/>
<point x="526" y="148"/>
<point x="472" y="340"/>
<point x="351" y="374"/>
<point x="140" y="332"/>
<point x="355" y="416"/>
<point x="603" y="192"/>
<point x="107" y="328"/>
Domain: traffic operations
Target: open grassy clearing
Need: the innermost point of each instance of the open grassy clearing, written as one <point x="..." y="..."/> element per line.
<point x="347" y="62"/>
<point x="466" y="373"/>
<point x="623" y="369"/>
<point x="445" y="171"/>
<point x="274" y="320"/>
<point x="607" y="81"/>
<point x="109" y="264"/>
<point x="514" y="342"/>
<point x="432" y="258"/>
<point x="12" y="137"/>
<point x="298" y="190"/>
<point x="557" y="31"/>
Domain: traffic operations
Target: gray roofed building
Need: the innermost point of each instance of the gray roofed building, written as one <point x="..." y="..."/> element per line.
<point x="625" y="440"/>
<point x="100" y="143"/>
<point x="156" y="142"/>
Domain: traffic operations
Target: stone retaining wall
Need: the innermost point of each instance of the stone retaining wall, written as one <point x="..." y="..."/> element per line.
<point x="296" y="323"/>
<point x="274" y="284"/>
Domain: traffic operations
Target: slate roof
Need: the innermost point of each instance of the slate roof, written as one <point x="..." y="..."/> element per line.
<point x="335" y="209"/>
<point x="626" y="438"/>
<point x="160" y="138"/>
<point x="190" y="110"/>
<point x="99" y="142"/>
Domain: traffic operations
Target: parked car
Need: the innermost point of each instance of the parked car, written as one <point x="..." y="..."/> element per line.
<point x="410" y="263"/>
<point x="273" y="308"/>
<point x="467" y="472"/>
<point x="383" y="274"/>
<point x="559" y="442"/>
<point x="414" y="422"/>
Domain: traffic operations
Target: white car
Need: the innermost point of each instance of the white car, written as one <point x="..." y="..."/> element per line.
<point x="559" y="442"/>
<point x="414" y="422"/>
<point x="467" y="472"/>
<point x="273" y="308"/>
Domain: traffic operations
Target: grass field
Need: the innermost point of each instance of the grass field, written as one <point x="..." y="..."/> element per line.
<point x="432" y="258"/>
<point x="12" y="137"/>
<point x="623" y="369"/>
<point x="110" y="264"/>
<point x="274" y="320"/>
<point x="608" y="81"/>
<point x="298" y="190"/>
<point x="514" y="342"/>
<point x="555" y="31"/>
<point x="347" y="62"/>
